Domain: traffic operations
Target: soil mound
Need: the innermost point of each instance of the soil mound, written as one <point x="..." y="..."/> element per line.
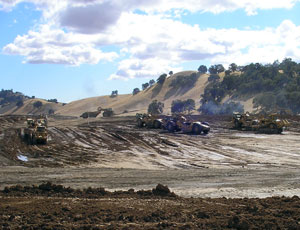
<point x="52" y="190"/>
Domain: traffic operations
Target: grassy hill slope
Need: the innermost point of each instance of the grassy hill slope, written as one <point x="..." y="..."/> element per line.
<point x="29" y="108"/>
<point x="139" y="103"/>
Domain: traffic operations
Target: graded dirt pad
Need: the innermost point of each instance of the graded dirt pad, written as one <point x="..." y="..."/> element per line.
<point x="118" y="143"/>
<point x="55" y="207"/>
<point x="113" y="153"/>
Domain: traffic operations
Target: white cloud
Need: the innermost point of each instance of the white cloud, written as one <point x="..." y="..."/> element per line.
<point x="56" y="47"/>
<point x="171" y="43"/>
<point x="214" y="6"/>
<point x="74" y="31"/>
<point x="137" y="68"/>
<point x="90" y="18"/>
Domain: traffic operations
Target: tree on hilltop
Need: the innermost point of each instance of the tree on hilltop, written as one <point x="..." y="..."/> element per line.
<point x="135" y="91"/>
<point x="161" y="79"/>
<point x="202" y="69"/>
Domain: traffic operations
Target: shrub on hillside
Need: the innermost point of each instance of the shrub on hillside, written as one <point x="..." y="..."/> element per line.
<point x="155" y="107"/>
<point x="37" y="104"/>
<point x="184" y="81"/>
<point x="20" y="103"/>
<point x="179" y="106"/>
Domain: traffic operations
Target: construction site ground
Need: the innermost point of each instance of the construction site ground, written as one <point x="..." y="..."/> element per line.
<point x="226" y="179"/>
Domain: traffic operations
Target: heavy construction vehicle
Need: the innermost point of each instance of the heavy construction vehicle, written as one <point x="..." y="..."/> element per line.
<point x="36" y="131"/>
<point x="181" y="123"/>
<point x="89" y="114"/>
<point x="244" y="121"/>
<point x="106" y="112"/>
<point x="265" y="124"/>
<point x="149" y="120"/>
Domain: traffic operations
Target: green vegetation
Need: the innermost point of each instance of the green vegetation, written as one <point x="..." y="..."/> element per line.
<point x="51" y="111"/>
<point x="20" y="103"/>
<point x="215" y="69"/>
<point x="145" y="85"/>
<point x="151" y="82"/>
<point x="135" y="91"/>
<point x="9" y="96"/>
<point x="161" y="79"/>
<point x="202" y="69"/>
<point x="181" y="84"/>
<point x="156" y="107"/>
<point x="179" y="106"/>
<point x="114" y="93"/>
<point x="184" y="81"/>
<point x="37" y="104"/>
<point x="213" y="78"/>
<point x="274" y="85"/>
<point x="52" y="100"/>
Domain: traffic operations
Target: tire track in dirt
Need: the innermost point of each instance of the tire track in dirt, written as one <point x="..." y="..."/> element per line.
<point x="119" y="143"/>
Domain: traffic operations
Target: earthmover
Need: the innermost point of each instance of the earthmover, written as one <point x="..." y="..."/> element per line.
<point x="181" y="123"/>
<point x="271" y="124"/>
<point x="149" y="120"/>
<point x="106" y="112"/>
<point x="265" y="124"/>
<point x="35" y="132"/>
<point x="244" y="121"/>
<point x="89" y="114"/>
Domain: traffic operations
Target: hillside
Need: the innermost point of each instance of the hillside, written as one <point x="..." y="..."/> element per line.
<point x="254" y="87"/>
<point x="29" y="108"/>
<point x="126" y="104"/>
<point x="139" y="103"/>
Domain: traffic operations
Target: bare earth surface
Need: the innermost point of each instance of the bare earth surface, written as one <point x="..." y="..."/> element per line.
<point x="116" y="155"/>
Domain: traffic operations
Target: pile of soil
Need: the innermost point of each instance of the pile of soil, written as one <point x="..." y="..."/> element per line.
<point x="49" y="206"/>
<point x="52" y="190"/>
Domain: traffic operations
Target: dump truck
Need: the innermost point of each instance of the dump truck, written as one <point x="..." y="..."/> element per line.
<point x="35" y="132"/>
<point x="149" y="120"/>
<point x="264" y="124"/>
<point x="181" y="123"/>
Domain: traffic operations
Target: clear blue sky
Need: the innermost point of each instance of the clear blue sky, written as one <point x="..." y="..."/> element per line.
<point x="70" y="50"/>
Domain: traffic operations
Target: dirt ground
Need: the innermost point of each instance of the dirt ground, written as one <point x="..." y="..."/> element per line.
<point x="238" y="179"/>
<point x="49" y="206"/>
